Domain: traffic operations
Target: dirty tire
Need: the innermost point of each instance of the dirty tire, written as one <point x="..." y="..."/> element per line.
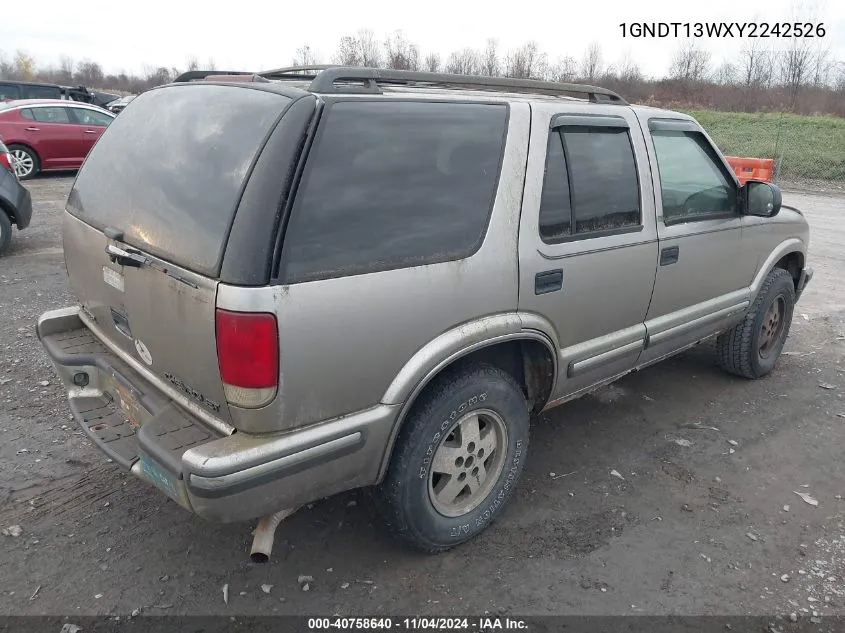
<point x="739" y="350"/>
<point x="404" y="500"/>
<point x="5" y="231"/>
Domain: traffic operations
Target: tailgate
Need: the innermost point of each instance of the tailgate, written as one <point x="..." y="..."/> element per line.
<point x="160" y="191"/>
<point x="158" y="313"/>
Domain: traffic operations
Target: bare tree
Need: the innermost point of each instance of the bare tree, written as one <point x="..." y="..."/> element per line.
<point x="795" y="68"/>
<point x="628" y="70"/>
<point x="822" y="66"/>
<point x="691" y="64"/>
<point x="490" y="66"/>
<point x="401" y="54"/>
<point x="156" y="76"/>
<point x="432" y="63"/>
<point x="564" y="70"/>
<point x="348" y="52"/>
<point x="726" y="74"/>
<point x="6" y="68"/>
<point x="839" y="82"/>
<point x="304" y="56"/>
<point x="66" y="67"/>
<point x="527" y="62"/>
<point x="192" y="63"/>
<point x="464" y="62"/>
<point x="370" y="53"/>
<point x="755" y="65"/>
<point x="591" y="62"/>
<point x="210" y="64"/>
<point x="90" y="73"/>
<point x="361" y="49"/>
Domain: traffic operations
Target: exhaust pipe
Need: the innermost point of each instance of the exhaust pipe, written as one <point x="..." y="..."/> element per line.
<point x="265" y="532"/>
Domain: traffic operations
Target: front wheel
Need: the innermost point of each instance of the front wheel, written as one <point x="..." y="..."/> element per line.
<point x="752" y="348"/>
<point x="457" y="459"/>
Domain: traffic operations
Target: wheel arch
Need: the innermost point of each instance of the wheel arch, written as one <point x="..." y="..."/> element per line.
<point x="529" y="356"/>
<point x="793" y="263"/>
<point x="789" y="255"/>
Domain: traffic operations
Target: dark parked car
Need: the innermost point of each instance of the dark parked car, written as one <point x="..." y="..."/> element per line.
<point x="15" y="90"/>
<point x="48" y="134"/>
<point x="102" y="99"/>
<point x="117" y="106"/>
<point x="15" y="202"/>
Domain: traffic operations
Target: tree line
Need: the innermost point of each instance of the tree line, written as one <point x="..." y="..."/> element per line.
<point x="803" y="78"/>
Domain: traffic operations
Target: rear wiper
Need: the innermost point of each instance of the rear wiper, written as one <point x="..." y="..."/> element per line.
<point x="124" y="257"/>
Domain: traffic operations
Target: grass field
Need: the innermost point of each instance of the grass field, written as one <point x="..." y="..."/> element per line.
<point x="809" y="147"/>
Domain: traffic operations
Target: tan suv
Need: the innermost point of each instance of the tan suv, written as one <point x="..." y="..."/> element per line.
<point x="298" y="284"/>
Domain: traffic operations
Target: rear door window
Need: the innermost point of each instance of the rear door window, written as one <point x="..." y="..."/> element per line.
<point x="394" y="184"/>
<point x="84" y="116"/>
<point x="169" y="171"/>
<point x="577" y="200"/>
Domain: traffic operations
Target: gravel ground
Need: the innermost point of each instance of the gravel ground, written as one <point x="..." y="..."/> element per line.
<point x="705" y="521"/>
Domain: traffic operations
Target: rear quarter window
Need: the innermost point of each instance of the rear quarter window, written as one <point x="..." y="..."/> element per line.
<point x="169" y="171"/>
<point x="394" y="184"/>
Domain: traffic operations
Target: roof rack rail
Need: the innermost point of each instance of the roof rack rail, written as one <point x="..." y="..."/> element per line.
<point x="337" y="79"/>
<point x="199" y="75"/>
<point x="290" y="72"/>
<point x="329" y="78"/>
<point x="308" y="71"/>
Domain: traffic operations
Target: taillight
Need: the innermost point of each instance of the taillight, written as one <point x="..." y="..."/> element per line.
<point x="6" y="160"/>
<point x="248" y="356"/>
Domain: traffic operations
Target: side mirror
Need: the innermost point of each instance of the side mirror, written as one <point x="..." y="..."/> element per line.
<point x="762" y="199"/>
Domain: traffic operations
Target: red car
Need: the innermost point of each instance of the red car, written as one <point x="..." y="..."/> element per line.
<point x="50" y="134"/>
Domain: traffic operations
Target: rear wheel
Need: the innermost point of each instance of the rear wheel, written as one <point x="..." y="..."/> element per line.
<point x="5" y="231"/>
<point x="24" y="161"/>
<point x="752" y="348"/>
<point x="457" y="458"/>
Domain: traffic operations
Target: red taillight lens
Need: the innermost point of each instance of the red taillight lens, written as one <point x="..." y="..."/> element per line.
<point x="6" y="160"/>
<point x="248" y="349"/>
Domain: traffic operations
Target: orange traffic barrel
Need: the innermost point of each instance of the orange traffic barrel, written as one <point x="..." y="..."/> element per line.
<point x="752" y="168"/>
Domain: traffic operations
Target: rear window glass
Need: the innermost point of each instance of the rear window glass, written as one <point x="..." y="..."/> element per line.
<point x="42" y="92"/>
<point x="169" y="171"/>
<point x="394" y="184"/>
<point x="9" y="91"/>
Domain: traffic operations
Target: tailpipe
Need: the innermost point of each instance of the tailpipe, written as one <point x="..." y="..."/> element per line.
<point x="265" y="532"/>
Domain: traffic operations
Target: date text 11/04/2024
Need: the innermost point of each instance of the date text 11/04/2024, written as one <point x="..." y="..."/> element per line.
<point x="422" y="623"/>
<point x="722" y="29"/>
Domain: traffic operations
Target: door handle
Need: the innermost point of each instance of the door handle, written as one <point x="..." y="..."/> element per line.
<point x="33" y="129"/>
<point x="548" y="281"/>
<point x="90" y="131"/>
<point x="669" y="255"/>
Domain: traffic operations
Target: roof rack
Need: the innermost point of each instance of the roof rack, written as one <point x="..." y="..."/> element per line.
<point x="199" y="75"/>
<point x="328" y="78"/>
<point x="297" y="72"/>
<point x="337" y="79"/>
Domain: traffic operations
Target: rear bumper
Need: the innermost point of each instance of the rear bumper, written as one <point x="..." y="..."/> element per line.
<point x="17" y="197"/>
<point x="803" y="280"/>
<point x="218" y="477"/>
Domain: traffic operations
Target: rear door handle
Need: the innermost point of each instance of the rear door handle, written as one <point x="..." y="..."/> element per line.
<point x="33" y="129"/>
<point x="548" y="281"/>
<point x="669" y="255"/>
<point x="90" y="131"/>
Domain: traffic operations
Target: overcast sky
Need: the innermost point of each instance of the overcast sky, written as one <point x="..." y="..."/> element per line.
<point x="258" y="34"/>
